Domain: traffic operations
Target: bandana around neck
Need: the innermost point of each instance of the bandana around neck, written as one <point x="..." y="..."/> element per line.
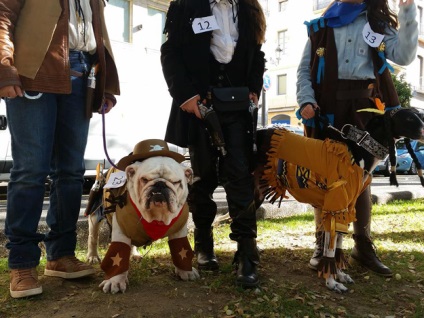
<point x="343" y="13"/>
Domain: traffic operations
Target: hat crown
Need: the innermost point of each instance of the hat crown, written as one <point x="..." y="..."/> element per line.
<point x="149" y="148"/>
<point x="150" y="145"/>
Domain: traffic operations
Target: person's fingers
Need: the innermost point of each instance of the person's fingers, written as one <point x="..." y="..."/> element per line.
<point x="19" y="92"/>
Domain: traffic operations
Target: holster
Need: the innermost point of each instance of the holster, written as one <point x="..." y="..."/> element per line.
<point x="89" y="101"/>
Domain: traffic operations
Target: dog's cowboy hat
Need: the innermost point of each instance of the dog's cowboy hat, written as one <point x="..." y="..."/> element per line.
<point x="149" y="148"/>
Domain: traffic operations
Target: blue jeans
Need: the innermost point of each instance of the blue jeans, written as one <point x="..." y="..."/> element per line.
<point x="49" y="136"/>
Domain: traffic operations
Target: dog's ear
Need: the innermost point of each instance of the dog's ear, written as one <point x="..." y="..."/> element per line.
<point x="188" y="172"/>
<point x="130" y="171"/>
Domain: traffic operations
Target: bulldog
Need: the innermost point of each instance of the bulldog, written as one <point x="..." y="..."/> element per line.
<point x="145" y="200"/>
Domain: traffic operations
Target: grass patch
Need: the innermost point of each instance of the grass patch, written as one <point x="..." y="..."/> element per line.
<point x="288" y="288"/>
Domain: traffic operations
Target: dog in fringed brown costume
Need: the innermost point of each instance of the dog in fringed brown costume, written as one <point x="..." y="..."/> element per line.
<point x="145" y="200"/>
<point x="329" y="175"/>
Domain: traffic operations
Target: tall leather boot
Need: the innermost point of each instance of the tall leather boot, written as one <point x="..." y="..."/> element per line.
<point x="246" y="260"/>
<point x="203" y="248"/>
<point x="364" y="254"/>
<point x="318" y="251"/>
<point x="363" y="251"/>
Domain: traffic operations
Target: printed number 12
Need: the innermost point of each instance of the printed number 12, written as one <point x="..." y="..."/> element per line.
<point x="206" y="24"/>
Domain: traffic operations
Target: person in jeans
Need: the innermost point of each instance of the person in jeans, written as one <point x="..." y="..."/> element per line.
<point x="344" y="69"/>
<point x="47" y="51"/>
<point x="216" y="44"/>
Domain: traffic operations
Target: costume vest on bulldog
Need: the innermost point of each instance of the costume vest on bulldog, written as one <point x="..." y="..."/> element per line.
<point x="321" y="173"/>
<point x="141" y="232"/>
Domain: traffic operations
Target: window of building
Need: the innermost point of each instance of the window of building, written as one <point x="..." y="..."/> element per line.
<point x="420" y="20"/>
<point x="118" y="17"/>
<point x="280" y="119"/>
<point x="321" y="4"/>
<point x="282" y="5"/>
<point x="282" y="84"/>
<point x="154" y="26"/>
<point x="282" y="43"/>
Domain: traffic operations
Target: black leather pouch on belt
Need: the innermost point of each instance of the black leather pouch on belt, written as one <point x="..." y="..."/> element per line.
<point x="230" y="99"/>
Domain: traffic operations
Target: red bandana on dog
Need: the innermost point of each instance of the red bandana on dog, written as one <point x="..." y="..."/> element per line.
<point x="154" y="229"/>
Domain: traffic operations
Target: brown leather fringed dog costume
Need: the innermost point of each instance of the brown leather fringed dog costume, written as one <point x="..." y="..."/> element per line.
<point x="317" y="172"/>
<point x="329" y="174"/>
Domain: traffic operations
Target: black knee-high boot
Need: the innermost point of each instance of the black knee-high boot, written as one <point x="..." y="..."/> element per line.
<point x="363" y="251"/>
<point x="203" y="248"/>
<point x="247" y="260"/>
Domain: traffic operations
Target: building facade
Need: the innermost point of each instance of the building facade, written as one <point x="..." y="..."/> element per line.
<point x="286" y="38"/>
<point x="136" y="30"/>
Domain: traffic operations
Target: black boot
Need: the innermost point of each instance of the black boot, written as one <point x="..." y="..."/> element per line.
<point x="246" y="260"/>
<point x="203" y="248"/>
<point x="364" y="253"/>
<point x="318" y="251"/>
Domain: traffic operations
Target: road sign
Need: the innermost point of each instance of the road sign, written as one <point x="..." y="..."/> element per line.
<point x="267" y="82"/>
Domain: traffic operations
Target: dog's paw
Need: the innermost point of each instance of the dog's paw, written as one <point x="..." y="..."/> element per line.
<point x="344" y="278"/>
<point x="93" y="259"/>
<point x="115" y="284"/>
<point x="135" y="254"/>
<point x="333" y="285"/>
<point x="187" y="275"/>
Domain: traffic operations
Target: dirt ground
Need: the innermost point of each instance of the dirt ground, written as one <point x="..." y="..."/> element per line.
<point x="288" y="289"/>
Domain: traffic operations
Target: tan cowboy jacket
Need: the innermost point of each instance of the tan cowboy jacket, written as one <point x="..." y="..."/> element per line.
<point x="34" y="48"/>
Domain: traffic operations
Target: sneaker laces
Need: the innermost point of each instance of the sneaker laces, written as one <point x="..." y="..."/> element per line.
<point x="72" y="261"/>
<point x="319" y="246"/>
<point x="371" y="246"/>
<point x="22" y="274"/>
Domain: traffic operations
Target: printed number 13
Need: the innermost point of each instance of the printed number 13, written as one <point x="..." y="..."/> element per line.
<point x="207" y="25"/>
<point x="370" y="39"/>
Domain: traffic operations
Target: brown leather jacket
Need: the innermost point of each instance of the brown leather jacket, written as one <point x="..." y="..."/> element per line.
<point x="34" y="48"/>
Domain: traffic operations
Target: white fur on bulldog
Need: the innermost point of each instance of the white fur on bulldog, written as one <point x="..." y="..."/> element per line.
<point x="155" y="197"/>
<point x="143" y="176"/>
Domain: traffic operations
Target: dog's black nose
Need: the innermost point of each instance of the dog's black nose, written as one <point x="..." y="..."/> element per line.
<point x="159" y="186"/>
<point x="158" y="192"/>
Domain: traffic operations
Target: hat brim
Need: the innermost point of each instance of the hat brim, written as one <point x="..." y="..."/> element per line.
<point x="126" y="161"/>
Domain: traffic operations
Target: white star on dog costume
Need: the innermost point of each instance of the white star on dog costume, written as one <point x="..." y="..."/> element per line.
<point x="116" y="260"/>
<point x="183" y="253"/>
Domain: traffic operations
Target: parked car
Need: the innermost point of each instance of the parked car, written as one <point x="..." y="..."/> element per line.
<point x="404" y="162"/>
<point x="95" y="152"/>
<point x="296" y="129"/>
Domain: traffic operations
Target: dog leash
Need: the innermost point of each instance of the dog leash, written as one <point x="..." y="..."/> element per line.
<point x="349" y="132"/>
<point x="104" y="137"/>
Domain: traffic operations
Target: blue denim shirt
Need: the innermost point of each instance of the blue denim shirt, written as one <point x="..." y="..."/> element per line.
<point x="354" y="54"/>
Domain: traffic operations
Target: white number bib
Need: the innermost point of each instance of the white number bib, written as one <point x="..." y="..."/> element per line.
<point x="204" y="24"/>
<point x="116" y="180"/>
<point x="372" y="38"/>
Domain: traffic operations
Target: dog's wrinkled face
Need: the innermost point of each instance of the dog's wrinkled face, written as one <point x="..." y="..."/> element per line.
<point x="158" y="187"/>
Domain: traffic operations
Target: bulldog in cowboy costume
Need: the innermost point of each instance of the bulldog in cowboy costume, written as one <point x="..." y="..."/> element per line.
<point x="145" y="200"/>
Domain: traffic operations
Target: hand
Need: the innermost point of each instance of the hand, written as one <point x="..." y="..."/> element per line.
<point x="191" y="107"/>
<point x="108" y="105"/>
<point x="405" y="2"/>
<point x="308" y="111"/>
<point x="11" y="91"/>
<point x="254" y="97"/>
